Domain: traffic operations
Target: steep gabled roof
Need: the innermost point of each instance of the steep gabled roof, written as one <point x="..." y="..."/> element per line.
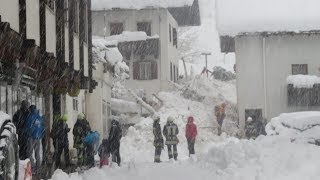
<point x="236" y="17"/>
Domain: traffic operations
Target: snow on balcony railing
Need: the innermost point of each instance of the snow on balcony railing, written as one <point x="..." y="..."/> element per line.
<point x="303" y="81"/>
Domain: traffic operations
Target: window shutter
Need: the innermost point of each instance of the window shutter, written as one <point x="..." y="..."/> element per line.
<point x="154" y="70"/>
<point x="136" y="70"/>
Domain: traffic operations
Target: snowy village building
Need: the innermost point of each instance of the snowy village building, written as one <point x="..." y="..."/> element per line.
<point x="277" y="61"/>
<point x="152" y="57"/>
<point x="46" y="57"/>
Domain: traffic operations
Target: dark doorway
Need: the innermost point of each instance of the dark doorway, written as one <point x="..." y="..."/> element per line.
<point x="255" y="114"/>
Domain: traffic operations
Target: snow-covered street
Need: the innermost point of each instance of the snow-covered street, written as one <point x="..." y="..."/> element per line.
<point x="225" y="159"/>
<point x="217" y="157"/>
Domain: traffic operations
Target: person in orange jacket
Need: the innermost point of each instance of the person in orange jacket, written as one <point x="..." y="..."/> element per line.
<point x="220" y="115"/>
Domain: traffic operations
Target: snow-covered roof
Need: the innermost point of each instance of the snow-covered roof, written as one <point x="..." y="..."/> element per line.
<point x="235" y="17"/>
<point x="128" y="36"/>
<point x="102" y="52"/>
<point x="138" y="4"/>
<point x="303" y="81"/>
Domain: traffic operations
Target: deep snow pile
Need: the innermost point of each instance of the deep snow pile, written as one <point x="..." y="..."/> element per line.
<point x="235" y="17"/>
<point x="225" y="159"/>
<point x="264" y="159"/>
<point x="204" y="38"/>
<point x="303" y="81"/>
<point x="298" y="126"/>
<point x="140" y="136"/>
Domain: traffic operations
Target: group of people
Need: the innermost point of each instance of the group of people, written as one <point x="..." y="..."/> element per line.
<point x="170" y="132"/>
<point x="30" y="129"/>
<point x="86" y="142"/>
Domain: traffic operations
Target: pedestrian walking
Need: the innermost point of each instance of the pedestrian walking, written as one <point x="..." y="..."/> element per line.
<point x="19" y="120"/>
<point x="158" y="140"/>
<point x="35" y="133"/>
<point x="170" y="131"/>
<point x="115" y="136"/>
<point x="60" y="134"/>
<point x="220" y="115"/>
<point x="191" y="134"/>
<point x="80" y="130"/>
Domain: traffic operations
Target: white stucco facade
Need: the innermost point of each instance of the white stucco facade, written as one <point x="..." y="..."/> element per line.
<point x="66" y="43"/>
<point x="51" y="39"/>
<point x="9" y="10"/>
<point x="263" y="64"/>
<point x="98" y="103"/>
<point x="33" y="20"/>
<point x="76" y="50"/>
<point x="160" y="20"/>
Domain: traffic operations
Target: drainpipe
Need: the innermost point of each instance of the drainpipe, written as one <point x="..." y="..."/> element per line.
<point x="160" y="60"/>
<point x="264" y="75"/>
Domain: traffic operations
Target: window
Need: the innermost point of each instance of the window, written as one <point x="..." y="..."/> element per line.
<point x="145" y="70"/>
<point x="116" y="28"/>
<point x="66" y="11"/>
<point x="50" y="4"/>
<point x="175" y="37"/>
<point x="76" y="16"/>
<point x="171" y="71"/>
<point x="75" y="104"/>
<point x="299" y="69"/>
<point x="177" y="73"/>
<point x="170" y="32"/>
<point x="145" y="27"/>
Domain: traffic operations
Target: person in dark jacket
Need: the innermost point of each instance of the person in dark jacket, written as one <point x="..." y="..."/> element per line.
<point x="104" y="152"/>
<point x="80" y="130"/>
<point x="19" y="120"/>
<point x="115" y="136"/>
<point x="35" y="132"/>
<point x="158" y="140"/>
<point x="60" y="134"/>
<point x="191" y="134"/>
<point x="170" y="131"/>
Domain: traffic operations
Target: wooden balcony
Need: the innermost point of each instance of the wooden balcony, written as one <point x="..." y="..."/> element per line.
<point x="303" y="96"/>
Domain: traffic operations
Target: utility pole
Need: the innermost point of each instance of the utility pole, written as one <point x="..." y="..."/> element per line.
<point x="206" y="55"/>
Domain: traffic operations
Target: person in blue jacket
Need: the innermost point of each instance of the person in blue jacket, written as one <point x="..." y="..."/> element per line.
<point x="91" y="142"/>
<point x="35" y="132"/>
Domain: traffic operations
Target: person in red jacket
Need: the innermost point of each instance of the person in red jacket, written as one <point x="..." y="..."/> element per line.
<point x="191" y="134"/>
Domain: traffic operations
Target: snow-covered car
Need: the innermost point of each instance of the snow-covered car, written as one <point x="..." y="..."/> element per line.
<point x="9" y="159"/>
<point x="298" y="126"/>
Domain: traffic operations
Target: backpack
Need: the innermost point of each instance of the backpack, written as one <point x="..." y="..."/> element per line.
<point x="35" y="126"/>
<point x="92" y="138"/>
